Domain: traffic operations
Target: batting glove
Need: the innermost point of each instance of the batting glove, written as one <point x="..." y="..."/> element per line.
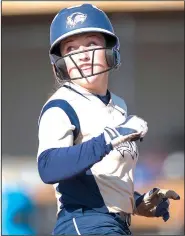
<point x="132" y="129"/>
<point x="155" y="203"/>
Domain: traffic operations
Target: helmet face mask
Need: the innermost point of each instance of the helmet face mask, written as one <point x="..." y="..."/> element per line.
<point x="61" y="68"/>
<point x="77" y="20"/>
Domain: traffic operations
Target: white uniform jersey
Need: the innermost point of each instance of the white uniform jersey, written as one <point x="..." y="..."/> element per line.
<point x="107" y="184"/>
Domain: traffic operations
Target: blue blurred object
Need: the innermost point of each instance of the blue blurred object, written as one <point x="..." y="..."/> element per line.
<point x="17" y="208"/>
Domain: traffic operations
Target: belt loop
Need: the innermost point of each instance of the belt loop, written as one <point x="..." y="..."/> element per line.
<point x="128" y="219"/>
<point x="83" y="210"/>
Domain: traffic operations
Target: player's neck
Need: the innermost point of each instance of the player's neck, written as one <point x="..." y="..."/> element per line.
<point x="99" y="89"/>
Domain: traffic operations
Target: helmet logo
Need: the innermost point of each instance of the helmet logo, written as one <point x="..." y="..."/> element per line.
<point x="75" y="18"/>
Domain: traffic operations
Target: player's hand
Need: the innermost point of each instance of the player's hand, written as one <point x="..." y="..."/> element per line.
<point x="155" y="203"/>
<point x="136" y="123"/>
<point x="132" y="129"/>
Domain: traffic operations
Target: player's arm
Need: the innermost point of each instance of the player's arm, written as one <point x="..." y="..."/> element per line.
<point x="57" y="158"/>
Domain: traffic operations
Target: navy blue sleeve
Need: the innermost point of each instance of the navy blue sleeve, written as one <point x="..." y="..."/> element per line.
<point x="57" y="164"/>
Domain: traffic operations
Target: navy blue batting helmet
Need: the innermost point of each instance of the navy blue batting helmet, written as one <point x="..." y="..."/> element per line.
<point x="82" y="19"/>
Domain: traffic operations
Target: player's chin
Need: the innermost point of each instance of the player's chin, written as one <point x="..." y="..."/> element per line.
<point x="91" y="79"/>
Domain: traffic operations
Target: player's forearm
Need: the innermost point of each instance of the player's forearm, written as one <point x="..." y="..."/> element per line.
<point x="58" y="164"/>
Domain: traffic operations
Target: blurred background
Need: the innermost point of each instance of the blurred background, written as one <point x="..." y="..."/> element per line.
<point x="151" y="80"/>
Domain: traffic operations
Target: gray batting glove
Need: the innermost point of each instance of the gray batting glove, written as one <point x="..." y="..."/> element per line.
<point x="155" y="203"/>
<point x="134" y="128"/>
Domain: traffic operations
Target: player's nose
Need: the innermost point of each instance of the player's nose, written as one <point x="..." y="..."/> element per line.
<point x="84" y="56"/>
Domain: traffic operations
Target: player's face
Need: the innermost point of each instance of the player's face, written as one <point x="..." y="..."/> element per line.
<point x="86" y="61"/>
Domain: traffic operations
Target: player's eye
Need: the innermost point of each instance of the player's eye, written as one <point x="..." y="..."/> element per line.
<point x="70" y="49"/>
<point x="92" y="43"/>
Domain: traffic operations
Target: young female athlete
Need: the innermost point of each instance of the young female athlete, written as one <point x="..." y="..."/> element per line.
<point x="87" y="142"/>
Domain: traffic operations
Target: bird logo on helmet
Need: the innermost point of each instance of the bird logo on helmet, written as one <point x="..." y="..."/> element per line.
<point x="75" y="18"/>
<point x="82" y="19"/>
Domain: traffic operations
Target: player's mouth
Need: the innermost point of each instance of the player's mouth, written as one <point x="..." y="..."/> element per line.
<point x="85" y="66"/>
<point x="85" y="69"/>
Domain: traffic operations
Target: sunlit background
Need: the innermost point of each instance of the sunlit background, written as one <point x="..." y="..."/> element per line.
<point x="151" y="80"/>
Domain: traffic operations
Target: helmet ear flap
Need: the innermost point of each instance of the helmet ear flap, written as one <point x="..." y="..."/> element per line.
<point x="112" y="57"/>
<point x="117" y="58"/>
<point x="60" y="68"/>
<point x="109" y="57"/>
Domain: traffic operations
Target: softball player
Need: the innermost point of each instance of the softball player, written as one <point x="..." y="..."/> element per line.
<point x="87" y="143"/>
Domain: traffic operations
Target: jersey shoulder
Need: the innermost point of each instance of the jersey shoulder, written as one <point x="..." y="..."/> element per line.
<point x="119" y="102"/>
<point x="61" y="98"/>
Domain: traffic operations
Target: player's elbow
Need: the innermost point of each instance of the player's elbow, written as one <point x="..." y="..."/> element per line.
<point x="46" y="180"/>
<point x="46" y="175"/>
<point x="46" y="168"/>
